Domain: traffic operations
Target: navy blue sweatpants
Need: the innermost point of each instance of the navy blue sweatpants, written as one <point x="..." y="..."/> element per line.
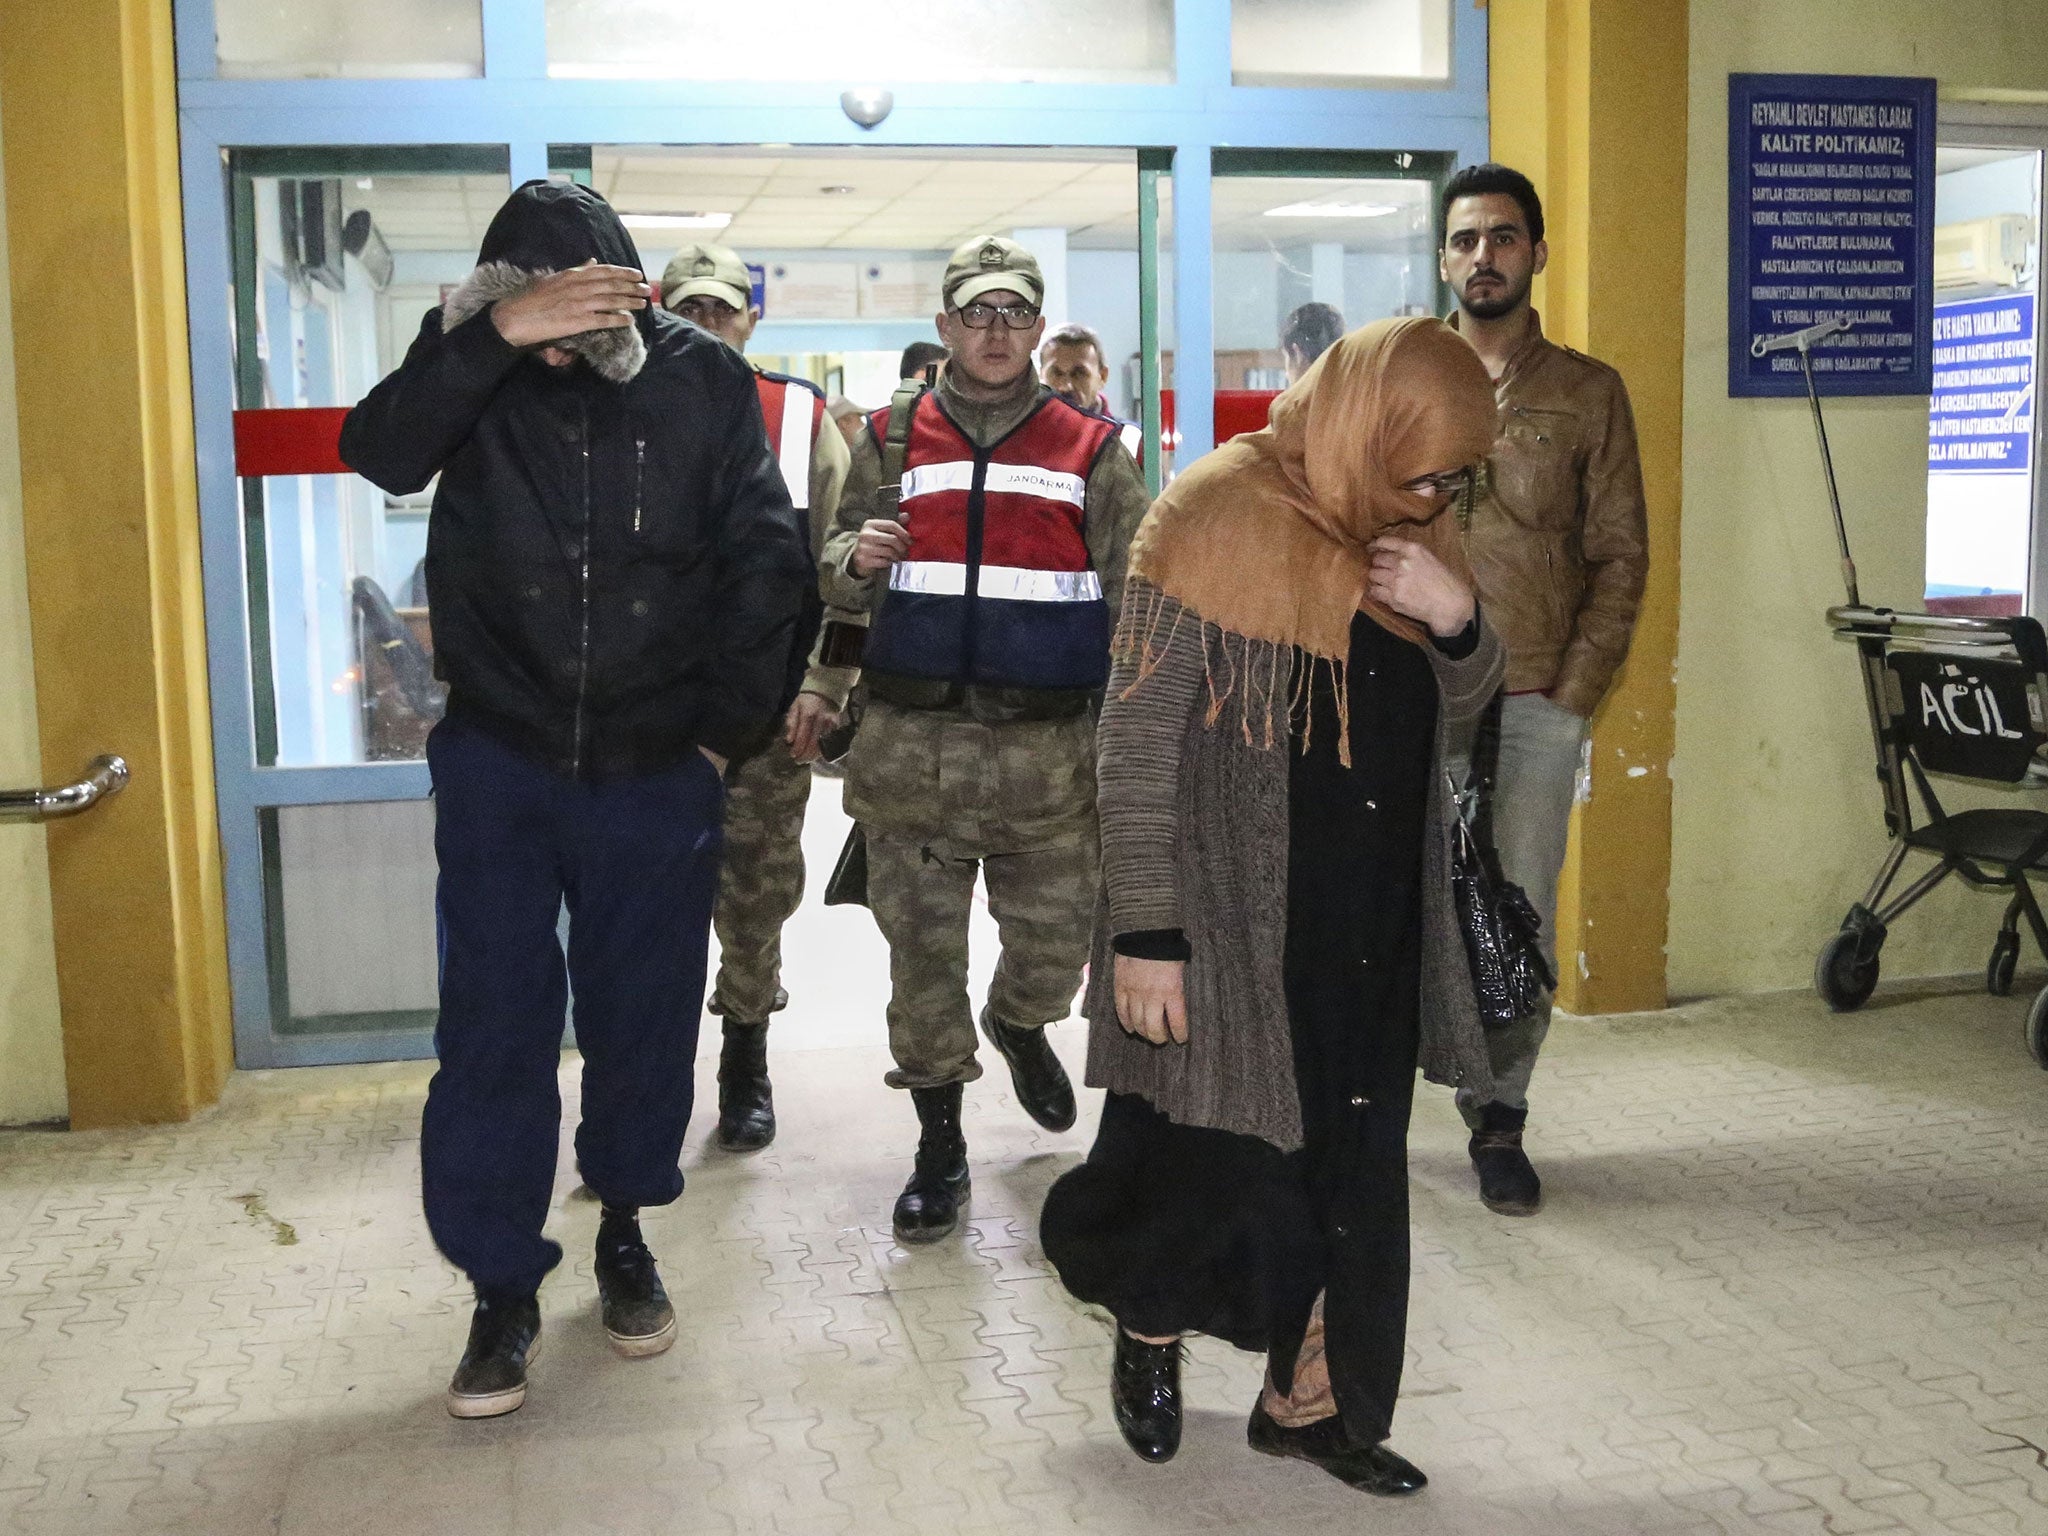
<point x="637" y="863"/>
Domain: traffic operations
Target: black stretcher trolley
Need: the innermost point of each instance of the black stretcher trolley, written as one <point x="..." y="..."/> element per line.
<point x="1962" y="697"/>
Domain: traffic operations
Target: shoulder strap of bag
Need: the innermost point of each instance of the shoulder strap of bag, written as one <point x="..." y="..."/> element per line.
<point x="896" y="441"/>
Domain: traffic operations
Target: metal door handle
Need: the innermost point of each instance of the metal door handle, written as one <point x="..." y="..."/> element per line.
<point x="106" y="776"/>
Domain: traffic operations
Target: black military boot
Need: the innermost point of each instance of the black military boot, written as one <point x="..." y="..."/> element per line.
<point x="504" y="1338"/>
<point x="929" y="1206"/>
<point x="1507" y="1180"/>
<point x="1035" y="1072"/>
<point x="1368" y="1468"/>
<point x="1144" y="1394"/>
<point x="746" y="1103"/>
<point x="635" y="1308"/>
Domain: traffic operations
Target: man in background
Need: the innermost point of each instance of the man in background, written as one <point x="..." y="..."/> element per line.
<point x="1559" y="543"/>
<point x="1072" y="364"/>
<point x="1306" y="334"/>
<point x="762" y="882"/>
<point x="922" y="360"/>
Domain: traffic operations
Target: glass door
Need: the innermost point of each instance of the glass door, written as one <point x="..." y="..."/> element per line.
<point x="1984" y="551"/>
<point x="336" y="254"/>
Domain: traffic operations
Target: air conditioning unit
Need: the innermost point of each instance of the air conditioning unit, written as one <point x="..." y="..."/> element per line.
<point x="1982" y="253"/>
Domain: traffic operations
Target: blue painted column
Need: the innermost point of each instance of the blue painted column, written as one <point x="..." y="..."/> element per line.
<point x="1201" y="60"/>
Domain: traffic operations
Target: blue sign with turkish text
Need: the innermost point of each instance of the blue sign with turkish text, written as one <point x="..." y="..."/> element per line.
<point x="1831" y="217"/>
<point x="1982" y="415"/>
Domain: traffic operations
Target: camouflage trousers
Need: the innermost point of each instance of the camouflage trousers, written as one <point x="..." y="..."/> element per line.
<point x="945" y="798"/>
<point x="762" y="882"/>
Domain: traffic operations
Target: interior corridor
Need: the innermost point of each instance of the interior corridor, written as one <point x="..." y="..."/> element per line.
<point x="1789" y="1277"/>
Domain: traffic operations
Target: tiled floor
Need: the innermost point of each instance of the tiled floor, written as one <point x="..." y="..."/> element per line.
<point x="1791" y="1278"/>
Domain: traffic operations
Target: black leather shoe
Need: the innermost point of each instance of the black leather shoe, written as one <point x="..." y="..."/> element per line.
<point x="929" y="1206"/>
<point x="504" y="1338"/>
<point x="1368" y="1468"/>
<point x="635" y="1308"/>
<point x="746" y="1102"/>
<point x="1507" y="1180"/>
<point x="1035" y="1072"/>
<point x="1144" y="1393"/>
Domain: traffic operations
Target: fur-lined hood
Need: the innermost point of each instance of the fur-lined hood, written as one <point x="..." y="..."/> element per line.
<point x="616" y="354"/>
<point x="546" y="227"/>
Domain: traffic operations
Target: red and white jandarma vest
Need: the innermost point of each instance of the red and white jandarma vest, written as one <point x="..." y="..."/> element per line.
<point x="794" y="413"/>
<point x="998" y="588"/>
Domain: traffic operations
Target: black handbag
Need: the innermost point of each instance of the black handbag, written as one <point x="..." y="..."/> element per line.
<point x="1503" y="934"/>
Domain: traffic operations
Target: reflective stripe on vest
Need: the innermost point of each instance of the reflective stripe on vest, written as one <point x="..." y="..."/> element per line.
<point x="1012" y="584"/>
<point x="998" y="587"/>
<point x="792" y="415"/>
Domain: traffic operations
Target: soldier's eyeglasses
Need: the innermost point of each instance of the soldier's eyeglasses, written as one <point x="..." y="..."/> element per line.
<point x="1451" y="482"/>
<point x="1018" y="317"/>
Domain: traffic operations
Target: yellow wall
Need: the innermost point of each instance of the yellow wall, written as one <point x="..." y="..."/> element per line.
<point x="110" y="507"/>
<point x="1581" y="97"/>
<point x="31" y="1038"/>
<point x="1776" y="816"/>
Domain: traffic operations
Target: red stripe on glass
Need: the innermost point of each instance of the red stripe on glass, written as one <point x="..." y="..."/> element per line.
<point x="306" y="441"/>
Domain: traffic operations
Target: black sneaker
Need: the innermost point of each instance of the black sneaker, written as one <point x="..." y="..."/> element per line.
<point x="635" y="1308"/>
<point x="504" y="1339"/>
<point x="1035" y="1072"/>
<point x="1368" y="1468"/>
<point x="1507" y="1179"/>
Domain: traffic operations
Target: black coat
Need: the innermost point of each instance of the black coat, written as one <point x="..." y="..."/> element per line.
<point x="617" y="574"/>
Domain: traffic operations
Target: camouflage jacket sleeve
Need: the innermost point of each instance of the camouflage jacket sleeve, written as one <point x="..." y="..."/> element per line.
<point x="1117" y="503"/>
<point x="829" y="463"/>
<point x="836" y="581"/>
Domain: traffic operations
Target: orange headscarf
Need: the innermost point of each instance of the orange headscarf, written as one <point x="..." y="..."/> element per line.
<point x="1267" y="537"/>
<point x="1266" y="542"/>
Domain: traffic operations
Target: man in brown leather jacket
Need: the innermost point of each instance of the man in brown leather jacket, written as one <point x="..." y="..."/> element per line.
<point x="1560" y="545"/>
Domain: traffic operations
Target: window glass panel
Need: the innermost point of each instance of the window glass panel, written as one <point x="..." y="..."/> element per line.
<point x="340" y="270"/>
<point x="351" y="892"/>
<point x="1981" y="443"/>
<point x="1363" y="248"/>
<point x="963" y="40"/>
<point x="298" y="39"/>
<point x="1339" y="42"/>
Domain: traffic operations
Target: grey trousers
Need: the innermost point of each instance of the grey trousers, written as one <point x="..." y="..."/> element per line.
<point x="1540" y="747"/>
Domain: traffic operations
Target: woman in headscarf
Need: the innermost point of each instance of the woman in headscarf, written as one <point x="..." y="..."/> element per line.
<point x="1299" y="651"/>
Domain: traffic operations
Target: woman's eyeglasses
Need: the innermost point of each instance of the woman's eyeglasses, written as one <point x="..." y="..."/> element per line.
<point x="1018" y="317"/>
<point x="1449" y="483"/>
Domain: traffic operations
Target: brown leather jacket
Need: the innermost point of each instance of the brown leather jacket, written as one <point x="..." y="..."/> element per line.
<point x="1556" y="528"/>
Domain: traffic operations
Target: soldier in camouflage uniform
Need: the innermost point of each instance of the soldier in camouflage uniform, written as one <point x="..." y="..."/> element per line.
<point x="762" y="881"/>
<point x="995" y="561"/>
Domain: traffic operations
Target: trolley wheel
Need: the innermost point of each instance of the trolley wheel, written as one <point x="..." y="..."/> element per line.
<point x="1844" y="981"/>
<point x="2037" y="1029"/>
<point x="2005" y="959"/>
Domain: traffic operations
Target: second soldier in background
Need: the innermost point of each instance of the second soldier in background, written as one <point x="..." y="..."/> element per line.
<point x="762" y="881"/>
<point x="993" y="552"/>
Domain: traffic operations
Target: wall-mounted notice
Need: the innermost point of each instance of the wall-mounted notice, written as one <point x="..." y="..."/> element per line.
<point x="1831" y="216"/>
<point x="813" y="290"/>
<point x="906" y="289"/>
<point x="1983" y="411"/>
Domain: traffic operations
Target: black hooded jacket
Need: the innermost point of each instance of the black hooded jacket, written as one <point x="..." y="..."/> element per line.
<point x="616" y="572"/>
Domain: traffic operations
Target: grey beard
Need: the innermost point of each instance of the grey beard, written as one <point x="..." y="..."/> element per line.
<point x="616" y="353"/>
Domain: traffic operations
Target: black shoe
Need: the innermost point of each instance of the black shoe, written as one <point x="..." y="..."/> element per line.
<point x="504" y="1338"/>
<point x="631" y="1301"/>
<point x="929" y="1206"/>
<point x="1035" y="1072"/>
<point x="1368" y="1468"/>
<point x="746" y="1102"/>
<point x="1507" y="1181"/>
<point x="1144" y="1393"/>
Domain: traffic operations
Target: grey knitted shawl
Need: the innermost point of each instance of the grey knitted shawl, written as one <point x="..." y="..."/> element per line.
<point x="1194" y="836"/>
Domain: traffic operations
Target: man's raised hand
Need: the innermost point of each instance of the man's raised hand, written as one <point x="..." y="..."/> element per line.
<point x="592" y="297"/>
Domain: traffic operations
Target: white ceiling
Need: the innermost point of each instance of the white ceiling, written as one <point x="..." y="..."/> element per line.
<point x="907" y="201"/>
